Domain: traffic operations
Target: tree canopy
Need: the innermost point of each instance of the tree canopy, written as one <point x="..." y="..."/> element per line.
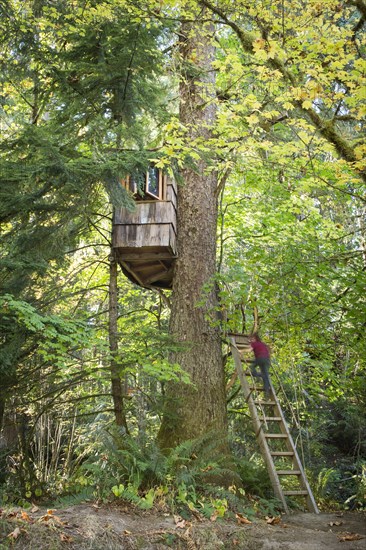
<point x="256" y="108"/>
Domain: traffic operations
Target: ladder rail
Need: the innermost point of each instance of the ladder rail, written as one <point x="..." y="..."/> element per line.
<point x="312" y="506"/>
<point x="258" y="428"/>
<point x="262" y="437"/>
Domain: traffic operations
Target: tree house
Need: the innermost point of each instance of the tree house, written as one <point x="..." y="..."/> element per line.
<point x="144" y="240"/>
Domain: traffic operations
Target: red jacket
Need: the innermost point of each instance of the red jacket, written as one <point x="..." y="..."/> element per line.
<point x="260" y="349"/>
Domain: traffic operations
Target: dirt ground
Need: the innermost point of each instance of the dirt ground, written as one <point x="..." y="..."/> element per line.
<point x="94" y="527"/>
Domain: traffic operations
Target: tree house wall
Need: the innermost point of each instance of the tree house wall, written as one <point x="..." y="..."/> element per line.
<point x="145" y="240"/>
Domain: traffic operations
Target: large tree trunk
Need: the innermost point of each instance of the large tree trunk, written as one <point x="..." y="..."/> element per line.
<point x="193" y="410"/>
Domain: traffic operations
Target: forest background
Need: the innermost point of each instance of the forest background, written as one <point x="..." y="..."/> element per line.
<point x="90" y="92"/>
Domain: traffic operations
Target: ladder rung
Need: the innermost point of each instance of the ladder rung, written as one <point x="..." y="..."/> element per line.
<point x="294" y="493"/>
<point x="264" y="402"/>
<point x="282" y="453"/>
<point x="274" y="436"/>
<point x="255" y="388"/>
<point x="288" y="472"/>
<point x="271" y="418"/>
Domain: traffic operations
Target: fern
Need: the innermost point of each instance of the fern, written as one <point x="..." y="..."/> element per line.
<point x="66" y="501"/>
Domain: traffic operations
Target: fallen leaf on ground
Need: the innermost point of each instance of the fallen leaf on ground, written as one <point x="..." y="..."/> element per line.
<point x="126" y="532"/>
<point x="179" y="522"/>
<point x="344" y="537"/>
<point x="273" y="521"/>
<point x="242" y="519"/>
<point x="50" y="517"/>
<point x="34" y="509"/>
<point x="65" y="538"/>
<point x="332" y="523"/>
<point x="26" y="517"/>
<point x="14" y="534"/>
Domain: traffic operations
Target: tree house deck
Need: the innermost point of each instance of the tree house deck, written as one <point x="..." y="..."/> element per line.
<point x="144" y="240"/>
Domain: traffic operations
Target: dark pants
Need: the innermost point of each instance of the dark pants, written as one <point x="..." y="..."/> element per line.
<point x="263" y="363"/>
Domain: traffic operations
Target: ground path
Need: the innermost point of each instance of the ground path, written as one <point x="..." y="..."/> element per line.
<point x="93" y="527"/>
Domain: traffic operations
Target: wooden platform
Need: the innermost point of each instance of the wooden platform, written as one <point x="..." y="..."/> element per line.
<point x="145" y="240"/>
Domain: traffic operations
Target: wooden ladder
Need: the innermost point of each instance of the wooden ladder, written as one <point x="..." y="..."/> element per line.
<point x="273" y="436"/>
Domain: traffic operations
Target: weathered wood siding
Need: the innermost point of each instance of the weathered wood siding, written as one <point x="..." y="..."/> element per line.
<point x="151" y="224"/>
<point x="152" y="212"/>
<point x="144" y="236"/>
<point x="145" y="239"/>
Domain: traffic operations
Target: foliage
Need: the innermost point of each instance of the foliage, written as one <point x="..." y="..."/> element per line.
<point x="342" y="485"/>
<point x="89" y="95"/>
<point x="137" y="471"/>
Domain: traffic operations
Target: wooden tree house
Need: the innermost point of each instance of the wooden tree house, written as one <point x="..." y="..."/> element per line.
<point x="144" y="240"/>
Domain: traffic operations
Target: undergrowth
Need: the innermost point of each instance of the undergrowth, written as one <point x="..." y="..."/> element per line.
<point x="186" y="481"/>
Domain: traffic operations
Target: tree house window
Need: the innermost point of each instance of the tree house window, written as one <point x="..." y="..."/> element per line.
<point x="154" y="183"/>
<point x="146" y="186"/>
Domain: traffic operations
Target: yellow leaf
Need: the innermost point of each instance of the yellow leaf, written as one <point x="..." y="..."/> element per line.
<point x="259" y="44"/>
<point x="261" y="55"/>
<point x="252" y="120"/>
<point x="307" y="104"/>
<point x="272" y="51"/>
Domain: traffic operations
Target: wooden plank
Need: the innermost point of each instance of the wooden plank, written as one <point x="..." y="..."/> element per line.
<point x="240" y="339"/>
<point x="130" y="271"/>
<point x="162" y="275"/>
<point x="171" y="191"/>
<point x="148" y="277"/>
<point x="146" y="212"/>
<point x="173" y="240"/>
<point x="146" y="254"/>
<point x="282" y="453"/>
<point x="288" y="472"/>
<point x="140" y="267"/>
<point x="139" y="236"/>
<point x="294" y="493"/>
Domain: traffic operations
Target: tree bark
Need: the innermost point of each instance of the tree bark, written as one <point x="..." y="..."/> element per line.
<point x="193" y="410"/>
<point x="116" y="384"/>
